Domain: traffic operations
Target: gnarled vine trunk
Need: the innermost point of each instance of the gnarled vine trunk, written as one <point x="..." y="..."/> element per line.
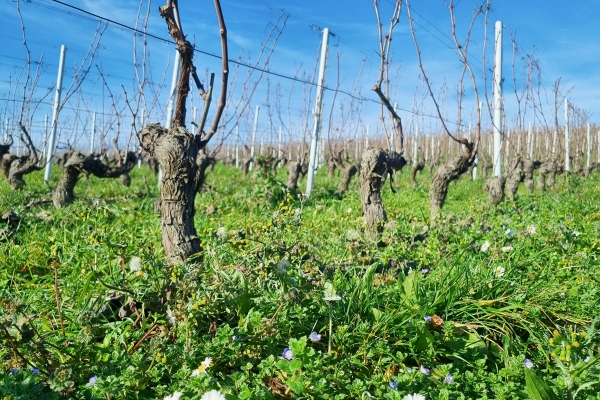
<point x="21" y="166"/>
<point x="176" y="152"/>
<point x="445" y="174"/>
<point x="375" y="165"/>
<point x="418" y="167"/>
<point x="495" y="188"/>
<point x="349" y="172"/>
<point x="294" y="170"/>
<point x="513" y="179"/>
<point x="545" y="169"/>
<point x="78" y="163"/>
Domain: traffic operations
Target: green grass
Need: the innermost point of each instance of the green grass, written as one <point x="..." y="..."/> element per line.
<point x="258" y="288"/>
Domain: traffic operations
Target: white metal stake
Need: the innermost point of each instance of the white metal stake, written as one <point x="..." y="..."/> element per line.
<point x="393" y="137"/>
<point x="55" y="111"/>
<point x="6" y="131"/>
<point x="312" y="163"/>
<point x="529" y="143"/>
<point x="416" y="144"/>
<point x="45" y="136"/>
<point x="433" y="147"/>
<point x="589" y="145"/>
<point x="506" y="149"/>
<point x="356" y="145"/>
<point x="172" y="97"/>
<point x="253" y="138"/>
<point x="554" y="135"/>
<point x="367" y="138"/>
<point x="280" y="149"/>
<point x="497" y="95"/>
<point x="172" y="93"/>
<point x="93" y="132"/>
<point x="567" y="144"/>
<point x="237" y="146"/>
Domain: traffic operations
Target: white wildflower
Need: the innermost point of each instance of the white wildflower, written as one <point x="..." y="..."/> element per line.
<point x="174" y="396"/>
<point x="171" y="317"/>
<point x="509" y="232"/>
<point x="135" y="264"/>
<point x="414" y="396"/>
<point x="213" y="395"/>
<point x="349" y="211"/>
<point x="222" y="233"/>
<point x="506" y="249"/>
<point x="204" y="365"/>
<point x="531" y="229"/>
<point x="485" y="246"/>
<point x="499" y="271"/>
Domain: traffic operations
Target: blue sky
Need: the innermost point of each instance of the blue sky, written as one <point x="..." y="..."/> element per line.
<point x="562" y="36"/>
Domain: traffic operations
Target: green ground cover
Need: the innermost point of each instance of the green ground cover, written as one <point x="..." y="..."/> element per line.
<point x="494" y="303"/>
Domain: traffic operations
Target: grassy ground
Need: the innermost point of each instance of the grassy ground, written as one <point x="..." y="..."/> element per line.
<point x="460" y="313"/>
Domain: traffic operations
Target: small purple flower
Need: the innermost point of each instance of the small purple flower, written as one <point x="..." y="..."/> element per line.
<point x="409" y="370"/>
<point x="93" y="380"/>
<point x="288" y="354"/>
<point x="425" y="271"/>
<point x="427" y="318"/>
<point x="528" y="363"/>
<point x="394" y="385"/>
<point x="14" y="372"/>
<point x="314" y="336"/>
<point x="35" y="371"/>
<point x="424" y="370"/>
<point x="448" y="379"/>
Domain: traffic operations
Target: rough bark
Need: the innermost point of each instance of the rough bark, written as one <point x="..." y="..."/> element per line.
<point x="375" y="165"/>
<point x="413" y="172"/>
<point x="445" y="174"/>
<point x="79" y="163"/>
<point x="334" y="161"/>
<point x="512" y="181"/>
<point x="303" y="169"/>
<point x="528" y="167"/>
<point x="246" y="165"/>
<point x="545" y="169"/>
<point x="7" y="160"/>
<point x="176" y="152"/>
<point x="4" y="154"/>
<point x="495" y="188"/>
<point x="20" y="167"/>
<point x="204" y="161"/>
<point x="349" y="172"/>
<point x="294" y="170"/>
<point x="63" y="194"/>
